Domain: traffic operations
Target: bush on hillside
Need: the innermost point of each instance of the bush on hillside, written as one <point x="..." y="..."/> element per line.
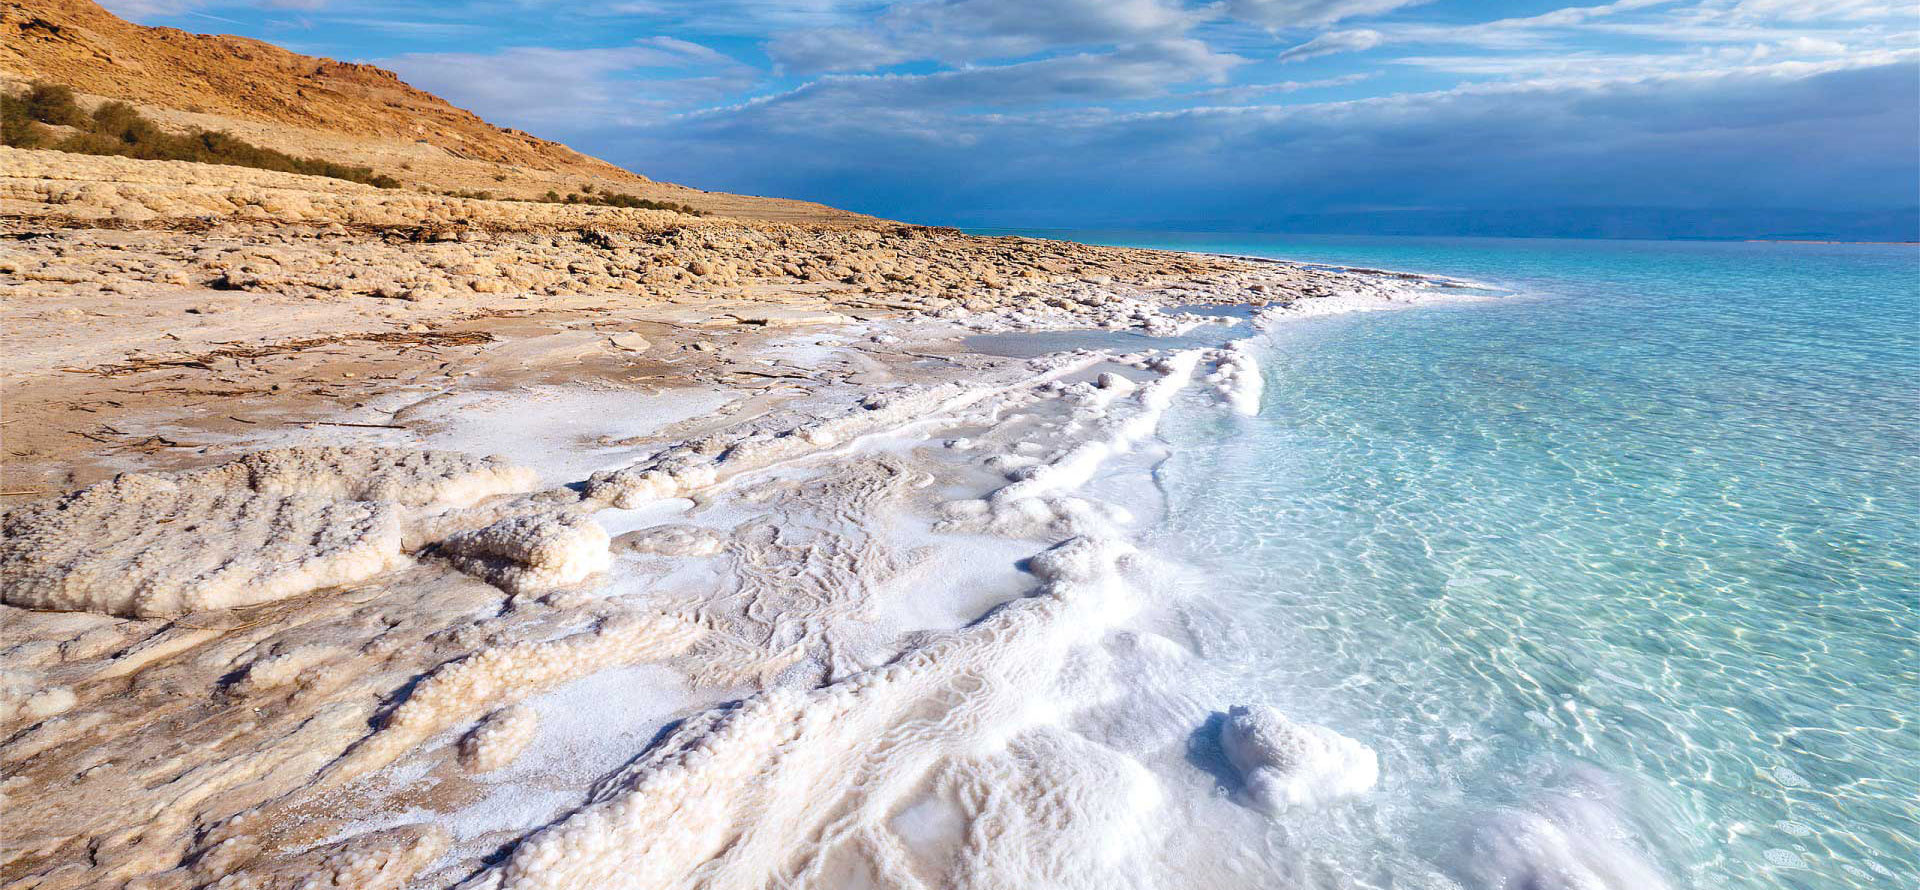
<point x="52" y="103"/>
<point x="19" y="129"/>
<point x="116" y="128"/>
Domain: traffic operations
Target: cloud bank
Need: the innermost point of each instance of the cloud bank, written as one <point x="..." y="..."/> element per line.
<point x="1224" y="113"/>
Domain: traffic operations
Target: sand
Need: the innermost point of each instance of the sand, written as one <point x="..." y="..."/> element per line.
<point x="772" y="582"/>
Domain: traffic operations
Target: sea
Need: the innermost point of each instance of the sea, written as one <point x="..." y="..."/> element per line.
<point x="1618" y="572"/>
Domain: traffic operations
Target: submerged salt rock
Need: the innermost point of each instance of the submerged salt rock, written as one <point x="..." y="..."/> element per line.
<point x="499" y="738"/>
<point x="530" y="553"/>
<point x="1287" y="764"/>
<point x="271" y="525"/>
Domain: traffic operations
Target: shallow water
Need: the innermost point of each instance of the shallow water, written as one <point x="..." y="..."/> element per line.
<point x="1618" y="575"/>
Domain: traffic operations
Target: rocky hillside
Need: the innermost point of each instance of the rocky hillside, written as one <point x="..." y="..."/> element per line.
<point x="315" y="107"/>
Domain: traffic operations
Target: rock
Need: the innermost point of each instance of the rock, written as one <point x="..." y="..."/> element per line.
<point x="631" y="342"/>
<point x="1287" y="764"/>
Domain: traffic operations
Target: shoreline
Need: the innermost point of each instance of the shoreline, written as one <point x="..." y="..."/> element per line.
<point x="773" y="513"/>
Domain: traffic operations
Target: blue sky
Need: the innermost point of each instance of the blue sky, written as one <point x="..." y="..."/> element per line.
<point x="1145" y="112"/>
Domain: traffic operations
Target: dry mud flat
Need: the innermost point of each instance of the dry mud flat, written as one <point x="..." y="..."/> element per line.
<point x="820" y="600"/>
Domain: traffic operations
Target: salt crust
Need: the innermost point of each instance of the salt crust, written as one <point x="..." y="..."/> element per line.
<point x="533" y="552"/>
<point x="1287" y="764"/>
<point x="379" y="860"/>
<point x="460" y="690"/>
<point x="1237" y="376"/>
<point x="685" y="468"/>
<point x="499" y="738"/>
<point x="1572" y="838"/>
<point x="271" y="525"/>
<point x="1036" y="503"/>
<point x="769" y="792"/>
<point x="25" y="697"/>
<point x="782" y="788"/>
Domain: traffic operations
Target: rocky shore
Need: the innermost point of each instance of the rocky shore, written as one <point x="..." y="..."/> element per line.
<point x="270" y="615"/>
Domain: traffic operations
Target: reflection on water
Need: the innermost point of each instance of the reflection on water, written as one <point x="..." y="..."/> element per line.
<point x="1621" y="582"/>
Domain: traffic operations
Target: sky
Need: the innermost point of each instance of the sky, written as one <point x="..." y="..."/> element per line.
<point x="1224" y="114"/>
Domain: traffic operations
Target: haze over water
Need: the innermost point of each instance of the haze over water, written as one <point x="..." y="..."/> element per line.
<point x="1618" y="575"/>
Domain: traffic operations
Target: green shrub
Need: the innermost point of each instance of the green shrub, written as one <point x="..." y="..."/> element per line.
<point x="116" y="128"/>
<point x="621" y="199"/>
<point x="52" y="103"/>
<point x="18" y="128"/>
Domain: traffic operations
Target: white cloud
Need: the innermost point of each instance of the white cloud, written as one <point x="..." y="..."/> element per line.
<point x="579" y="87"/>
<point x="1130" y="72"/>
<point x="1310" y="13"/>
<point x="958" y="31"/>
<point x="1333" y="42"/>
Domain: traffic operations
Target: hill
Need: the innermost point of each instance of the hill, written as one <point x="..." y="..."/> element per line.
<point x="315" y="107"/>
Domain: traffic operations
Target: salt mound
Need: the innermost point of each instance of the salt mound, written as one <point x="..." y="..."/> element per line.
<point x="153" y="546"/>
<point x="499" y="739"/>
<point x="534" y="552"/>
<point x="1287" y="764"/>
<point x="395" y="475"/>
<point x="271" y="525"/>
<point x="1237" y="375"/>
<point x="1577" y="837"/>
<point x="674" y="540"/>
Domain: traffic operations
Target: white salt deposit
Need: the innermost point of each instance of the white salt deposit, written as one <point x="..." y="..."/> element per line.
<point x="499" y="738"/>
<point x="148" y="545"/>
<point x="1237" y="375"/>
<point x="674" y="539"/>
<point x="1574" y="840"/>
<point x="268" y="526"/>
<point x="1037" y="502"/>
<point x="532" y="552"/>
<point x="26" y="697"/>
<point x="1287" y="764"/>
<point x="503" y="675"/>
<point x="795" y="787"/>
<point x="565" y="433"/>
<point x="686" y="468"/>
<point x="404" y="476"/>
<point x="285" y="668"/>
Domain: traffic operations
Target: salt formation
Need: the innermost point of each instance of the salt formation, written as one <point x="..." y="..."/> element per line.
<point x="379" y="860"/>
<point x="1036" y="503"/>
<point x="803" y="787"/>
<point x="680" y="470"/>
<point x="492" y="677"/>
<point x="284" y="668"/>
<point x="1573" y="838"/>
<point x="1287" y="764"/>
<point x="268" y="526"/>
<point x="148" y="545"/>
<point x="25" y="697"/>
<point x="499" y="738"/>
<point x="673" y="540"/>
<point x="533" y="552"/>
<point x="1237" y="375"/>
<point x="396" y="475"/>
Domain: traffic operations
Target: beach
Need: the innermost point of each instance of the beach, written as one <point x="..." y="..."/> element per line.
<point x="699" y="552"/>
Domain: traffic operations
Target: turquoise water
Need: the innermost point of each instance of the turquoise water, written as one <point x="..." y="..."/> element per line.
<point x="1619" y="575"/>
